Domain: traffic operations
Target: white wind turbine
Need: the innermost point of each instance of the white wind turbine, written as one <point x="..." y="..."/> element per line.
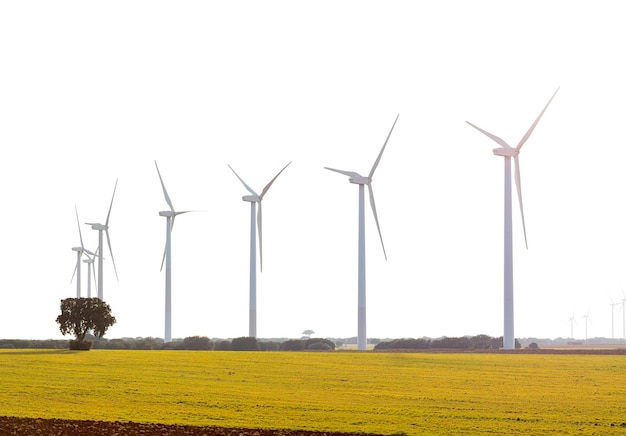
<point x="170" y="216"/>
<point x="79" y="254"/>
<point x="624" y="314"/>
<point x="104" y="228"/>
<point x="572" y="321"/>
<point x="587" y="321"/>
<point x="613" y="304"/>
<point x="90" y="270"/>
<point x="506" y="151"/>
<point x="253" y="199"/>
<point x="360" y="180"/>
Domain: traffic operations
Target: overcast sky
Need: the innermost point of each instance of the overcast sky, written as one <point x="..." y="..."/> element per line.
<point x="91" y="92"/>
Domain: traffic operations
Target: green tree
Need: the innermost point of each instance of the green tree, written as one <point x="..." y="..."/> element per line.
<point x="80" y="315"/>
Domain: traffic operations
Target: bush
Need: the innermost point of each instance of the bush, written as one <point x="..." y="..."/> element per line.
<point x="245" y="343"/>
<point x="80" y="345"/>
<point x="319" y="344"/>
<point x="223" y="346"/>
<point x="269" y="346"/>
<point x="197" y="343"/>
<point x="293" y="345"/>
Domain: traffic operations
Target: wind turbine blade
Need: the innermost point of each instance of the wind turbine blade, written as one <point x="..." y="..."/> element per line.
<point x="267" y="187"/>
<point x="250" y="190"/>
<point x="530" y="131"/>
<point x="93" y="271"/>
<point x="163" y="260"/>
<point x="111" y="206"/>
<point x="259" y="221"/>
<point x="167" y="197"/>
<point x="345" y="173"/>
<point x="373" y="204"/>
<point x="111" y="251"/>
<point x="492" y="136"/>
<point x="75" y="268"/>
<point x="518" y="185"/>
<point x="382" y="149"/>
<point x="79" y="232"/>
<point x="89" y="252"/>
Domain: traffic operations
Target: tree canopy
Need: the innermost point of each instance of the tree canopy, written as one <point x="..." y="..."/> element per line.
<point x="80" y="315"/>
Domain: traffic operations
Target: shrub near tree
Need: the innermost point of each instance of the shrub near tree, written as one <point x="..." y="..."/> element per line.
<point x="81" y="315"/>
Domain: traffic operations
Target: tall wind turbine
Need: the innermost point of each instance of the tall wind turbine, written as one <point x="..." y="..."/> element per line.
<point x="572" y="321"/>
<point x="170" y="216"/>
<point x="79" y="254"/>
<point x="624" y="314"/>
<point x="90" y="270"/>
<point x="506" y="151"/>
<point x="104" y="228"/>
<point x="253" y="199"/>
<point x="587" y="321"/>
<point x="613" y="304"/>
<point x="360" y="180"/>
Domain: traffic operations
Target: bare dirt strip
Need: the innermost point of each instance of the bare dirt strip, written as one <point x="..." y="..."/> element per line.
<point x="61" y="427"/>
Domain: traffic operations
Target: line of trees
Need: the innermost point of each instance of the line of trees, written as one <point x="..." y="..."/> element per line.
<point x="479" y="342"/>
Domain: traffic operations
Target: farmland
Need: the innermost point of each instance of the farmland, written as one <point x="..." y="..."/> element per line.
<point x="388" y="393"/>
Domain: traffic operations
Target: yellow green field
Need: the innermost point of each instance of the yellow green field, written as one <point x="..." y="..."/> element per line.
<point x="389" y="393"/>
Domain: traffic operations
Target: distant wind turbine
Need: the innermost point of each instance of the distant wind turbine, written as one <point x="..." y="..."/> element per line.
<point x="360" y="180"/>
<point x="170" y="216"/>
<point x="253" y="199"/>
<point x="572" y="321"/>
<point x="506" y="151"/>
<point x="613" y="304"/>
<point x="79" y="254"/>
<point x="90" y="270"/>
<point x="104" y="228"/>
<point x="587" y="321"/>
<point x="624" y="313"/>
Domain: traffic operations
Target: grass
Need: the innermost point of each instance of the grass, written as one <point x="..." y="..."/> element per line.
<point x="390" y="393"/>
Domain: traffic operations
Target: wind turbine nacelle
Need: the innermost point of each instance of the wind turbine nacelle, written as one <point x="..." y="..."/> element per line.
<point x="77" y="248"/>
<point x="99" y="226"/>
<point x="506" y="152"/>
<point x="167" y="213"/>
<point x="360" y="180"/>
<point x="251" y="198"/>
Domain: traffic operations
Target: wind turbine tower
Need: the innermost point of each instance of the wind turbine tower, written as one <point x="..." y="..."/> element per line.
<point x="508" y="152"/>
<point x="613" y="318"/>
<point x="624" y="315"/>
<point x="572" y="320"/>
<point x="90" y="270"/>
<point x="104" y="228"/>
<point x="587" y="321"/>
<point x="253" y="199"/>
<point x="361" y="181"/>
<point x="170" y="216"/>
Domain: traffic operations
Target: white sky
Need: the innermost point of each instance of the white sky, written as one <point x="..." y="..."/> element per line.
<point x="94" y="91"/>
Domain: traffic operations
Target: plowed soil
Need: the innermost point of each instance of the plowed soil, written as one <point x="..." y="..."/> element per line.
<point x="61" y="427"/>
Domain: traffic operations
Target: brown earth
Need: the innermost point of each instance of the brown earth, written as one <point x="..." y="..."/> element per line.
<point x="61" y="427"/>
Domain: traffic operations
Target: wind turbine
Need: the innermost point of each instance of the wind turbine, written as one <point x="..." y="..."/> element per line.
<point x="360" y="180"/>
<point x="572" y="321"/>
<point x="624" y="313"/>
<point x="506" y="151"/>
<point x="79" y="254"/>
<point x="90" y="270"/>
<point x="170" y="216"/>
<point x="104" y="228"/>
<point x="613" y="304"/>
<point x="253" y="199"/>
<point x="587" y="321"/>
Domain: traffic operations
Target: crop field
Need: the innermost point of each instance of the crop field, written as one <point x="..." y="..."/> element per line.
<point x="383" y="393"/>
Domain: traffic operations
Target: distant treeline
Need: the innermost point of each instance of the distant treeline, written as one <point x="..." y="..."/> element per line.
<point x="480" y="342"/>
<point x="188" y="343"/>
